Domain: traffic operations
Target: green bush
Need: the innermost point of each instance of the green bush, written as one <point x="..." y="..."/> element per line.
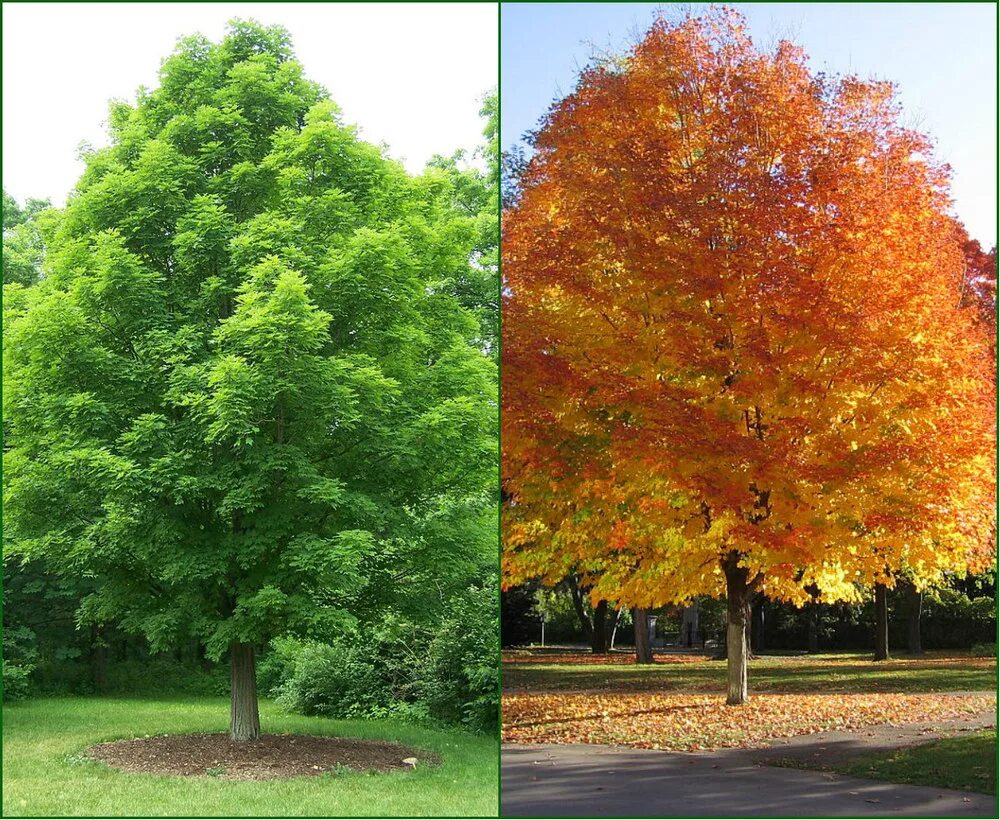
<point x="459" y="680"/>
<point x="16" y="681"/>
<point x="19" y="661"/>
<point x="951" y="603"/>
<point x="275" y="665"/>
<point x="336" y="680"/>
<point x="445" y="672"/>
<point x="984" y="650"/>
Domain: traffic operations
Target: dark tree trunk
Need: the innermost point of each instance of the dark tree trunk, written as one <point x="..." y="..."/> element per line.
<point x="812" y="628"/>
<point x="599" y="639"/>
<point x="581" y="613"/>
<point x="244" y="719"/>
<point x="98" y="659"/>
<point x="881" y="623"/>
<point x="738" y="617"/>
<point x="915" y="599"/>
<point x="643" y="650"/>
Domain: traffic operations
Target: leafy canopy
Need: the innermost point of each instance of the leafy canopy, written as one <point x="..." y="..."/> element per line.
<point x="245" y="389"/>
<point x="732" y="334"/>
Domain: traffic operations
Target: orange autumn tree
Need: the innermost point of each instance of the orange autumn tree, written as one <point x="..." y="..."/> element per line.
<point x="734" y="356"/>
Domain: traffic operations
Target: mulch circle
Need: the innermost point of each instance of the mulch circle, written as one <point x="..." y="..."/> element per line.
<point x="270" y="757"/>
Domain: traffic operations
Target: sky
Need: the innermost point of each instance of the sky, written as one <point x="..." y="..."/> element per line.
<point x="941" y="55"/>
<point x="409" y="74"/>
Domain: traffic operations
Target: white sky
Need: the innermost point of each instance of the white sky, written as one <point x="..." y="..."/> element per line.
<point x="409" y="74"/>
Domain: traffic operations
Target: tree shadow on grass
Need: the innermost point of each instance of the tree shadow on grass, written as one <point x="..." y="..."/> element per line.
<point x="619" y="713"/>
<point x="852" y="675"/>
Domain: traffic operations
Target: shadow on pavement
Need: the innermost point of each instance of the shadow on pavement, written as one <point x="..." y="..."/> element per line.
<point x="602" y="781"/>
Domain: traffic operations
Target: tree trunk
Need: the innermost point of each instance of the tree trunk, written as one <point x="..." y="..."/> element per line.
<point x="881" y="623"/>
<point x="738" y="616"/>
<point x="244" y="719"/>
<point x="614" y="629"/>
<point x="99" y="659"/>
<point x="581" y="613"/>
<point x="812" y="628"/>
<point x="915" y="599"/>
<point x="599" y="640"/>
<point x="643" y="650"/>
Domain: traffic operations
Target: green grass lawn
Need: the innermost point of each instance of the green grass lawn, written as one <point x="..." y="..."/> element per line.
<point x="827" y="673"/>
<point x="42" y="774"/>
<point x="966" y="762"/>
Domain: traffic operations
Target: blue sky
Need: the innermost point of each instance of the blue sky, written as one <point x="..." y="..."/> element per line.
<point x="942" y="56"/>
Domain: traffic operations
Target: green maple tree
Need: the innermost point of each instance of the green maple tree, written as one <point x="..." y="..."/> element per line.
<point x="245" y="379"/>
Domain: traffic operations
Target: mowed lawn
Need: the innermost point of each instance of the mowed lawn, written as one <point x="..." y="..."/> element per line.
<point x="43" y="773"/>
<point x="847" y="672"/>
<point x="965" y="762"/>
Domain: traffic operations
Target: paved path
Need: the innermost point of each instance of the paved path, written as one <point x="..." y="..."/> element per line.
<point x="589" y="780"/>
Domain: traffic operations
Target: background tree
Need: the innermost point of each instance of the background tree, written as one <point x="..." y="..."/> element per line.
<point x="246" y="394"/>
<point x="881" y="622"/>
<point x="643" y="648"/>
<point x="732" y="305"/>
<point x="23" y="244"/>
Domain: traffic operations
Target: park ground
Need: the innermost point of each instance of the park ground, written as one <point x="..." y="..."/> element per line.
<point x="837" y="718"/>
<point x="45" y="772"/>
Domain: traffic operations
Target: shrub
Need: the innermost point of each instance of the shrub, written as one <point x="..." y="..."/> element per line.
<point x="459" y="679"/>
<point x="19" y="661"/>
<point x="16" y="682"/>
<point x="984" y="650"/>
<point x="446" y="673"/>
<point x="336" y="680"/>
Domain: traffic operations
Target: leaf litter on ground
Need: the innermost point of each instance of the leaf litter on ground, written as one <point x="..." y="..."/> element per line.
<point x="701" y="722"/>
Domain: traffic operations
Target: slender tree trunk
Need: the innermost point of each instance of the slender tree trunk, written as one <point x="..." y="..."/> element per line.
<point x="98" y="659"/>
<point x="581" y="613"/>
<point x="916" y="601"/>
<point x="812" y="628"/>
<point x="614" y="629"/>
<point x="244" y="719"/>
<point x="643" y="650"/>
<point x="881" y="623"/>
<point x="738" y="616"/>
<point x="599" y="640"/>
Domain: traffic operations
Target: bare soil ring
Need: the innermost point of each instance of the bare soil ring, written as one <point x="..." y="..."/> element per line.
<point x="270" y="757"/>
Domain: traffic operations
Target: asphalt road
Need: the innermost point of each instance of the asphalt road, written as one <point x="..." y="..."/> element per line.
<point x="603" y="781"/>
